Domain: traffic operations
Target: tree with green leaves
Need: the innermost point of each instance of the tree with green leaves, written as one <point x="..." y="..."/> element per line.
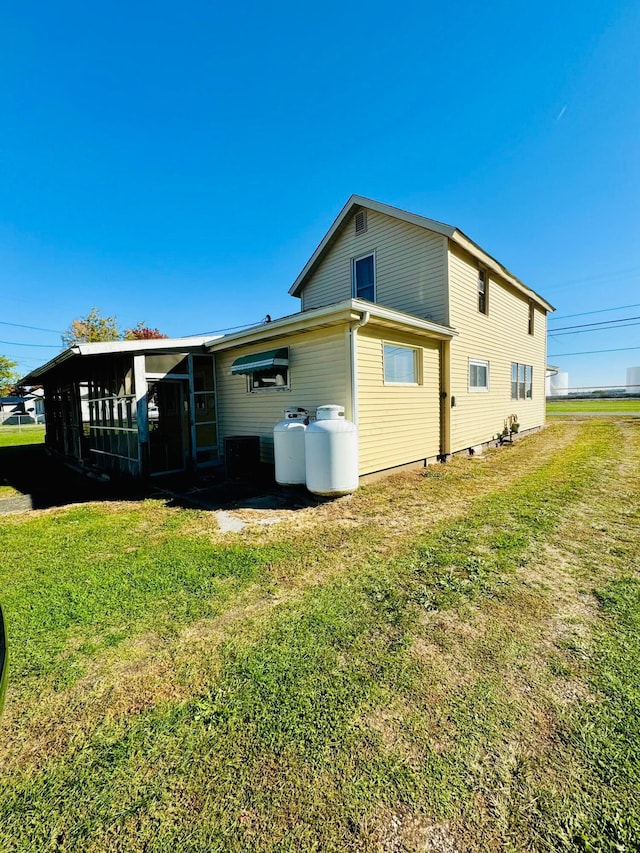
<point x="94" y="328"/>
<point x="8" y="375"/>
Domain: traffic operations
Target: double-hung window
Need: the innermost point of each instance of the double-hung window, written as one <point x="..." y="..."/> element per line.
<point x="521" y="381"/>
<point x="478" y="375"/>
<point x="364" y="277"/>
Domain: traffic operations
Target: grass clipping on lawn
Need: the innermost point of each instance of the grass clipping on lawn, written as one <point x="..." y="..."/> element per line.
<point x="446" y="661"/>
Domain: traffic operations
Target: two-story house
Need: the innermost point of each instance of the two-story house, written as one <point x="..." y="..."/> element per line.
<point x="426" y="340"/>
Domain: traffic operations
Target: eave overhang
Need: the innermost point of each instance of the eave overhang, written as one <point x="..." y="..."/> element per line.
<point x="347" y="312"/>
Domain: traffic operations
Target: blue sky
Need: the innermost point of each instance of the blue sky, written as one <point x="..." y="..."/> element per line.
<point x="178" y="163"/>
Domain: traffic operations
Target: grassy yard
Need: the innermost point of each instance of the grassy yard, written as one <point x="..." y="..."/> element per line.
<point x="446" y="661"/>
<point x="27" y="434"/>
<point x="594" y="405"/>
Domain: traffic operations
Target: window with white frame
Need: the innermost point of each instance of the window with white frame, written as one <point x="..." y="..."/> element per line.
<point x="401" y="364"/>
<point x="265" y="371"/>
<point x="521" y="381"/>
<point x="270" y="379"/>
<point x="364" y="277"/>
<point x="478" y="375"/>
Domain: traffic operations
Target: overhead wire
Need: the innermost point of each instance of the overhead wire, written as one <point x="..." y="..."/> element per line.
<point x="589" y="352"/>
<point x="599" y="311"/>
<point x="582" y="331"/>
<point x="34" y="328"/>
<point x="601" y="323"/>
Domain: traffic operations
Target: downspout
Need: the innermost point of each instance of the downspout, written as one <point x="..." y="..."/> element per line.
<point x="353" y="332"/>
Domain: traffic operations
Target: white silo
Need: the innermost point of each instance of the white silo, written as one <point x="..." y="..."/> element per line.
<point x="633" y="380"/>
<point x="558" y="384"/>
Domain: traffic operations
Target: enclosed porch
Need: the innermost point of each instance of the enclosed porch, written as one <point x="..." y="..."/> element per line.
<point x="134" y="409"/>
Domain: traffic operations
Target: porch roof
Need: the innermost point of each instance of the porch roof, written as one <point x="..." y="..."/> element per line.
<point x="154" y="345"/>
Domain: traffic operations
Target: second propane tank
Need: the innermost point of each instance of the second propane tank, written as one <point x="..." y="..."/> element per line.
<point x="331" y="453"/>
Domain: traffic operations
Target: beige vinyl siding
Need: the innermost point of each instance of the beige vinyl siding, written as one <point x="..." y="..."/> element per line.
<point x="411" y="267"/>
<point x="319" y="373"/>
<point x="500" y="337"/>
<point x="397" y="424"/>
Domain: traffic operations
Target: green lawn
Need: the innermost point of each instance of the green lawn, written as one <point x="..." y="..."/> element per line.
<point x="447" y="660"/>
<point x="27" y="434"/>
<point x="594" y="405"/>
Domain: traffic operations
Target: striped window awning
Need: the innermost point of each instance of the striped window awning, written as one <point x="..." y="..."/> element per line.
<point x="261" y="361"/>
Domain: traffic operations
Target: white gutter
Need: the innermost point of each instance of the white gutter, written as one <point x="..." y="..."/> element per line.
<point x="353" y="333"/>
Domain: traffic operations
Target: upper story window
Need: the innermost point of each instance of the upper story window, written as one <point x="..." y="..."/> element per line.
<point x="478" y="375"/>
<point x="482" y="292"/>
<point x="531" y="318"/>
<point x="364" y="277"/>
<point x="401" y="365"/>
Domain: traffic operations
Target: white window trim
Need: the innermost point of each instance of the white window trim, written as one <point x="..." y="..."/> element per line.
<point x="375" y="274"/>
<point x="473" y="389"/>
<point x="417" y="357"/>
<point x="271" y="388"/>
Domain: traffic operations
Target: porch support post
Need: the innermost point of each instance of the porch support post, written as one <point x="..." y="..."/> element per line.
<point x="192" y="414"/>
<point x="142" y="415"/>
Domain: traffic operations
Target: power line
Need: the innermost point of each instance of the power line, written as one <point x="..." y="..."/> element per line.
<point x="589" y="352"/>
<point x="601" y="323"/>
<point x="18" y="344"/>
<point x="598" y="276"/>
<point x="35" y="328"/>
<point x="229" y="329"/>
<point x="603" y="387"/>
<point x="600" y="311"/>
<point x="579" y="331"/>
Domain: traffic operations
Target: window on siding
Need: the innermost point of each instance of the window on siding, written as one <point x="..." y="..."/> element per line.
<point x="401" y="365"/>
<point x="272" y="379"/>
<point x="482" y="292"/>
<point x="478" y="375"/>
<point x="531" y="317"/>
<point x="521" y="381"/>
<point x="364" y="278"/>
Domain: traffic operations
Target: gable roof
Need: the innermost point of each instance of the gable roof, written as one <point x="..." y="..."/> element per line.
<point x="449" y="231"/>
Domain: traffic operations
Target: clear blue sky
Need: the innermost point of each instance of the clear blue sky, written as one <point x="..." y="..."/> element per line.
<point x="178" y="163"/>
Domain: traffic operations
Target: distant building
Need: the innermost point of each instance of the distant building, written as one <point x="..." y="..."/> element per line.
<point x="633" y="380"/>
<point x="557" y="383"/>
<point x="23" y="410"/>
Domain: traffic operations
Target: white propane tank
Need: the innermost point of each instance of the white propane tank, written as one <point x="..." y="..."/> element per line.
<point x="288" y="447"/>
<point x="331" y="452"/>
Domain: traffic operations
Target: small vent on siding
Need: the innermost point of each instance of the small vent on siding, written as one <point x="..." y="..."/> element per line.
<point x="361" y="221"/>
